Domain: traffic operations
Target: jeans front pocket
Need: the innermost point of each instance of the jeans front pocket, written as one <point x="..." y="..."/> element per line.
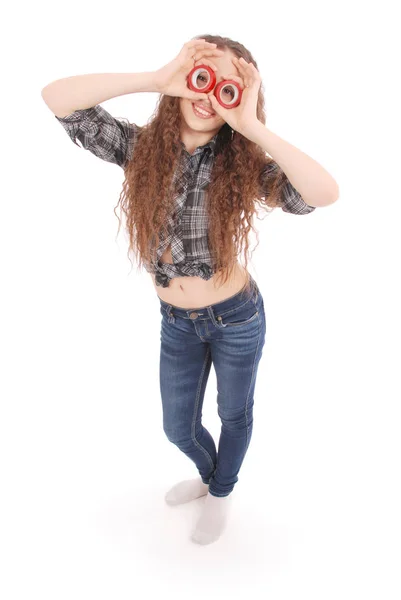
<point x="239" y="316"/>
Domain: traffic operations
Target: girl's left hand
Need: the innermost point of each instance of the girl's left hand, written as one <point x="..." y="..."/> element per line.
<point x="243" y="116"/>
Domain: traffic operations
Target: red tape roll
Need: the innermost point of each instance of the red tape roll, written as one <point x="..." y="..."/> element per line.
<point x="195" y="83"/>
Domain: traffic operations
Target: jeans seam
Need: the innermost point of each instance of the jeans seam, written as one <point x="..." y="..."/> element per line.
<point x="250" y="384"/>
<point x="208" y="353"/>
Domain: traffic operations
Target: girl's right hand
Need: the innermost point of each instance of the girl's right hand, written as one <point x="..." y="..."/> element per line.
<point x="172" y="78"/>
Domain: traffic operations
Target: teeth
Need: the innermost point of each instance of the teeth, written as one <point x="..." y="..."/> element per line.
<point x="203" y="112"/>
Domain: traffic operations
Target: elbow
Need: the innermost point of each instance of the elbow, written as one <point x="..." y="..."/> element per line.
<point x="335" y="195"/>
<point x="335" y="192"/>
<point x="46" y="96"/>
<point x="329" y="198"/>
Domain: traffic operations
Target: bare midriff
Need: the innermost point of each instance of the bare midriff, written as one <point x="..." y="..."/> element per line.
<point x="195" y="292"/>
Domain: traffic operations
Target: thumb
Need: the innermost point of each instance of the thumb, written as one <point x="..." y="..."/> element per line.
<point x="196" y="96"/>
<point x="216" y="106"/>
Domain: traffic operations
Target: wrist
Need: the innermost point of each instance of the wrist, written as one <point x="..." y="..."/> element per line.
<point x="157" y="82"/>
<point x="253" y="129"/>
<point x="147" y="81"/>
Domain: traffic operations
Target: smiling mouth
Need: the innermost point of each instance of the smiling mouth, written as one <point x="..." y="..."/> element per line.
<point x="201" y="113"/>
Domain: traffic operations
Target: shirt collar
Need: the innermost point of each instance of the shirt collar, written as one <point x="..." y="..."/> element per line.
<point x="211" y="144"/>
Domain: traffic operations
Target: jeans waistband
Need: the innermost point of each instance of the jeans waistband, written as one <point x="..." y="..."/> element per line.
<point x="229" y="303"/>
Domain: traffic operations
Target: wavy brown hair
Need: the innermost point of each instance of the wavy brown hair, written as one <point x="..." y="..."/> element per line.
<point x="236" y="182"/>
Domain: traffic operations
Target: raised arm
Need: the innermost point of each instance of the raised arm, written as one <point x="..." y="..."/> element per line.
<point x="75" y="104"/>
<point x="65" y="96"/>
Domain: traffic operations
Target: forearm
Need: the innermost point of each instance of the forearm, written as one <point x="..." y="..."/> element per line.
<point x="84" y="91"/>
<point x="316" y="186"/>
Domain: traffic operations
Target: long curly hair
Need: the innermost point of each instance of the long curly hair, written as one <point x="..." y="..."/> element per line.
<point x="235" y="185"/>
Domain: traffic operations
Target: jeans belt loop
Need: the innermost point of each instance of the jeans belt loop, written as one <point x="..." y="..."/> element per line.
<point x="171" y="318"/>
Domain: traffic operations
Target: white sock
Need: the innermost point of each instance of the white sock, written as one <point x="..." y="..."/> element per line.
<point x="213" y="519"/>
<point x="185" y="491"/>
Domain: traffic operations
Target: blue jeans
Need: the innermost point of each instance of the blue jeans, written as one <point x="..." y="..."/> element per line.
<point x="231" y="334"/>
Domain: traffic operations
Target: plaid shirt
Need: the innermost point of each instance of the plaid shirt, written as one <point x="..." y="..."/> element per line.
<point x="113" y="140"/>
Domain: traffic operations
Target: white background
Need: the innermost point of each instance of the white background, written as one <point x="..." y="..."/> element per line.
<point x="85" y="463"/>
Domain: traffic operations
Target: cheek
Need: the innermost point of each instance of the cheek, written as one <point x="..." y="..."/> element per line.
<point x="186" y="107"/>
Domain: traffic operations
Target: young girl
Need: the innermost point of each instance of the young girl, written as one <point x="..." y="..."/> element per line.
<point x="192" y="176"/>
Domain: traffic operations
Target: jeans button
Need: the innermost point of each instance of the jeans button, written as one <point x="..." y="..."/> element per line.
<point x="193" y="315"/>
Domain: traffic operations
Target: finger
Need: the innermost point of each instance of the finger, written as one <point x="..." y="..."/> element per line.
<point x="216" y="106"/>
<point x="237" y="79"/>
<point x="199" y="43"/>
<point x="204" y="52"/>
<point x="195" y="95"/>
<point x="206" y="61"/>
<point x="254" y="71"/>
<point x="256" y="79"/>
<point x="242" y="70"/>
<point x="256" y="74"/>
<point x="250" y="69"/>
<point x="250" y="72"/>
<point x="241" y="64"/>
